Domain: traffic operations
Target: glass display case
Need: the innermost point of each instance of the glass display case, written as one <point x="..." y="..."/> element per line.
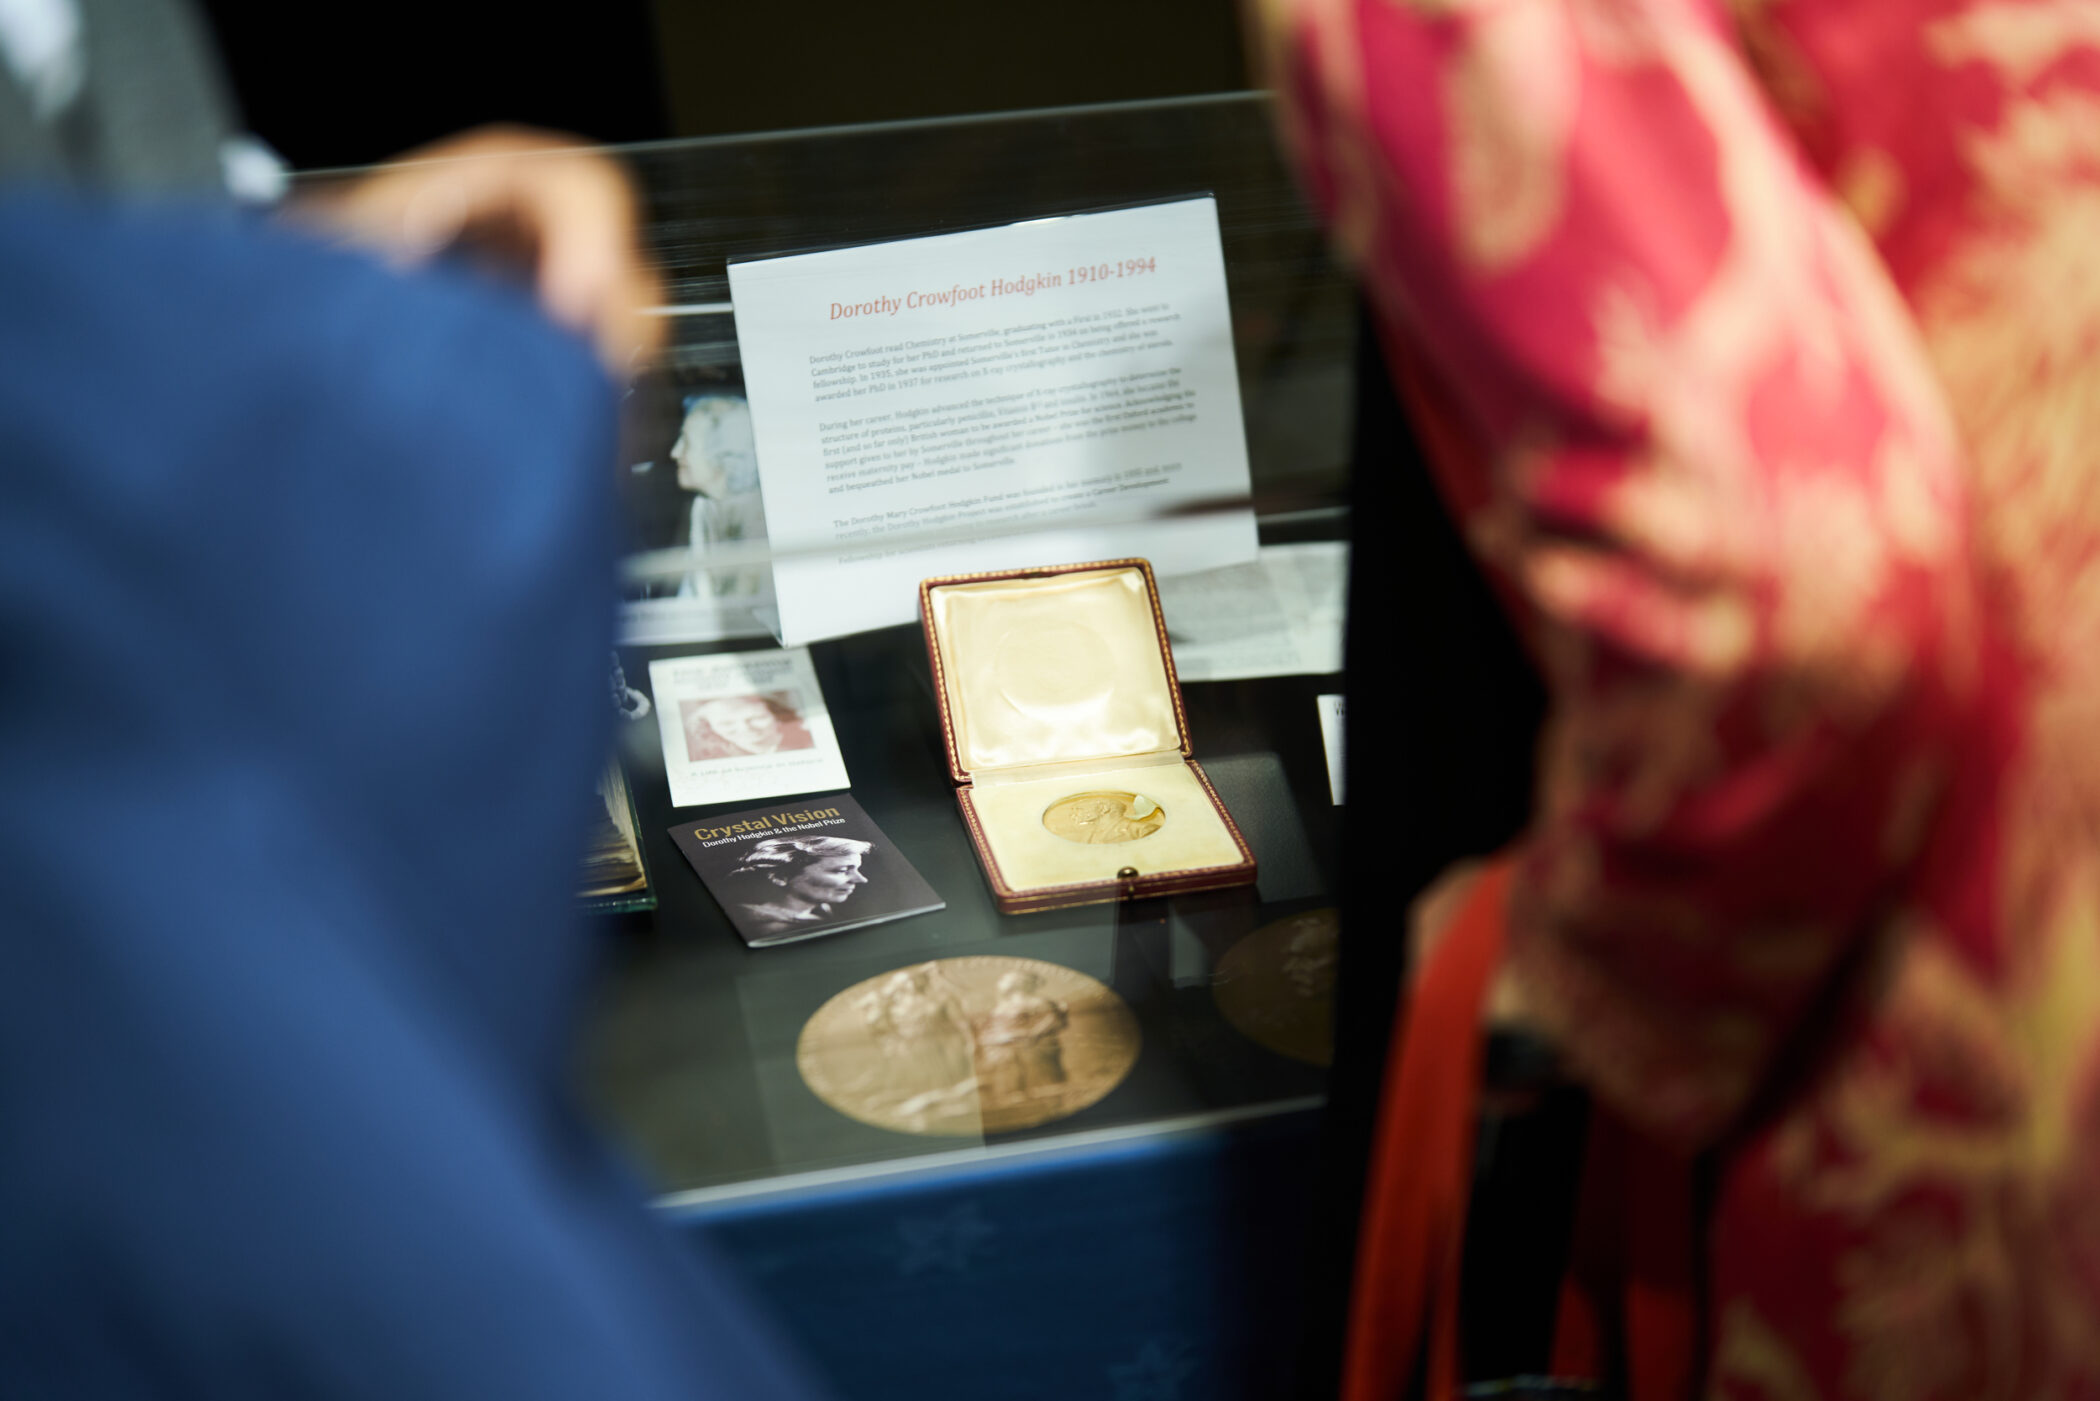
<point x="694" y="1048"/>
<point x="1147" y="1237"/>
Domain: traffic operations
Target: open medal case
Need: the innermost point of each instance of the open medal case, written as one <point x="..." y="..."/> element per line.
<point x="1067" y="740"/>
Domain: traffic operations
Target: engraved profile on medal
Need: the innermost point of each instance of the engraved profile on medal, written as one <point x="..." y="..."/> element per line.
<point x="1107" y="816"/>
<point x="967" y="1046"/>
<point x="1276" y="986"/>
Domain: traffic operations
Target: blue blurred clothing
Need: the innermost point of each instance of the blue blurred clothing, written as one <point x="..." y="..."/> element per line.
<point x="306" y="588"/>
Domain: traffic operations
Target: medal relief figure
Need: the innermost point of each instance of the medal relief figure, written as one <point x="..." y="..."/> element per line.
<point x="1309" y="958"/>
<point x="1104" y="817"/>
<point x="797" y="881"/>
<point x="968" y="1046"/>
<point x="1276" y="986"/>
<point x="1018" y="1043"/>
<point x="928" y="1053"/>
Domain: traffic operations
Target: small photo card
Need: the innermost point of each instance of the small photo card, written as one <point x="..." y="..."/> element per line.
<point x="743" y="725"/>
<point x="794" y="870"/>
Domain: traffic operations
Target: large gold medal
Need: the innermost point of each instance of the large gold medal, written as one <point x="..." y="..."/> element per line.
<point x="968" y="1046"/>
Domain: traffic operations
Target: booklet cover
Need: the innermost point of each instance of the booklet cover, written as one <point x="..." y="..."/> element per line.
<point x="794" y="870"/>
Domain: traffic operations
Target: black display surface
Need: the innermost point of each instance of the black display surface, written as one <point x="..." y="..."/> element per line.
<point x="694" y="1047"/>
<point x="691" y="1053"/>
<point x="798" y="868"/>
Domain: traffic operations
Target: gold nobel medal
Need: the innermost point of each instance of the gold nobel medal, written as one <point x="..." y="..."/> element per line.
<point x="1276" y="986"/>
<point x="1104" y="817"/>
<point x="968" y="1046"/>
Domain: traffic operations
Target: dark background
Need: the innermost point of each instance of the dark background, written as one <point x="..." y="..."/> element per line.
<point x="352" y="85"/>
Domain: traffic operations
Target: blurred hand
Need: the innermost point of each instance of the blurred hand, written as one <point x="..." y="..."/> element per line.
<point x="536" y="204"/>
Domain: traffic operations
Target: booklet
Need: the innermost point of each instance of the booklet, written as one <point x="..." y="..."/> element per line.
<point x="614" y="877"/>
<point x="743" y="725"/>
<point x="794" y="870"/>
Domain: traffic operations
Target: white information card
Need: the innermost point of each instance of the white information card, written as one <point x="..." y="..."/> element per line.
<point x="743" y="725"/>
<point x="1331" y="736"/>
<point x="1065" y="377"/>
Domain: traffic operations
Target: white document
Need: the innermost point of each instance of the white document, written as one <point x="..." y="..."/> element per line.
<point x="1279" y="616"/>
<point x="743" y="725"/>
<point x="1331" y="737"/>
<point x="1065" y="377"/>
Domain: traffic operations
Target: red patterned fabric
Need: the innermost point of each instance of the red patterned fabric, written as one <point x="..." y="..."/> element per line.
<point x="1759" y="354"/>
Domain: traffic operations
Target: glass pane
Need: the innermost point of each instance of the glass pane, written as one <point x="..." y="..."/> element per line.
<point x="694" y="1050"/>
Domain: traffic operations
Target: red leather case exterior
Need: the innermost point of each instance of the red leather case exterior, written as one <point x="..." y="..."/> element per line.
<point x="1012" y="901"/>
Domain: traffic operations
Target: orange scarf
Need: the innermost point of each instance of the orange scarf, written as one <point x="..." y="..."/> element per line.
<point x="1629" y="1299"/>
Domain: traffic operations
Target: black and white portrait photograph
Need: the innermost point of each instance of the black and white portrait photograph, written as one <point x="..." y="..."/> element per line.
<point x="691" y="485"/>
<point x="790" y="883"/>
<point x="802" y="867"/>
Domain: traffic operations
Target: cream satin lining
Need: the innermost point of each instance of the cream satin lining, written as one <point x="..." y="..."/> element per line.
<point x="1043" y="671"/>
<point x="1031" y="856"/>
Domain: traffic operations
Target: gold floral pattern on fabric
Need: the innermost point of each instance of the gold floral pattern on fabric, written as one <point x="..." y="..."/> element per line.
<point x="1789" y="81"/>
<point x="1763" y="343"/>
<point x="1506" y="158"/>
<point x="1751" y="1360"/>
<point x="1964" y="1150"/>
<point x="2020" y="41"/>
<point x="1872" y="186"/>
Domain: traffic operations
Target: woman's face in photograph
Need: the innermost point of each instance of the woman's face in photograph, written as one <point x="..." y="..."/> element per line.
<point x="750" y="725"/>
<point x="827" y="880"/>
<point x="714" y="451"/>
